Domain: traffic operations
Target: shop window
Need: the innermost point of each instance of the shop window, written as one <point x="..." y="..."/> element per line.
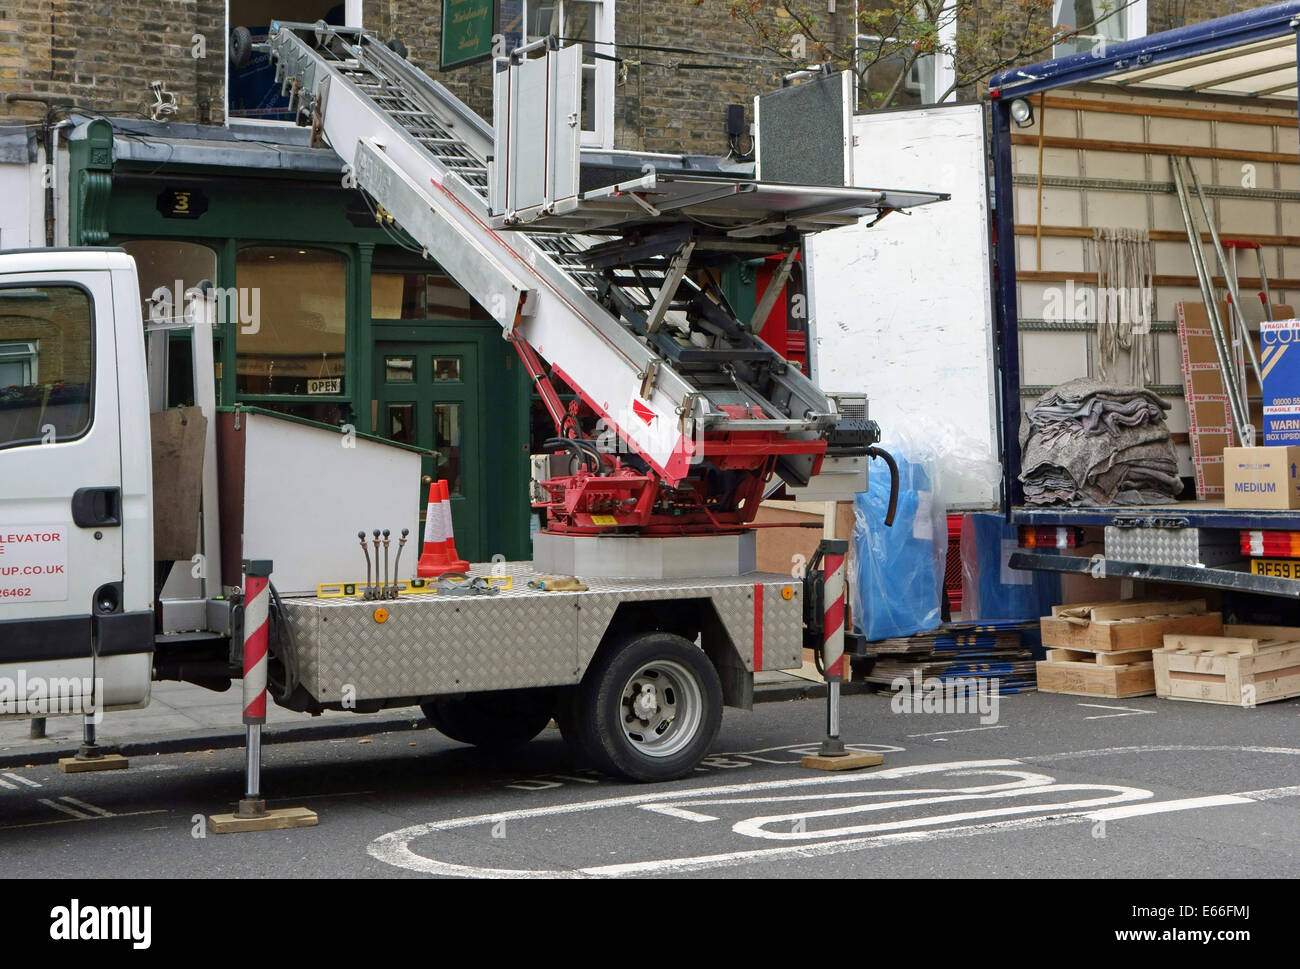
<point x="421" y="296"/>
<point x="588" y="22"/>
<point x="401" y="423"/>
<point x="253" y="92"/>
<point x="167" y="271"/>
<point x="291" y="327"/>
<point x="46" y="364"/>
<point x="1094" y="23"/>
<point x="447" y="442"/>
<point x="399" y="370"/>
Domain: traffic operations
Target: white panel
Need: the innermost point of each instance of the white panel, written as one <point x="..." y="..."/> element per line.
<point x="19" y="216"/>
<point x="306" y="496"/>
<point x="1053" y="358"/>
<point x="904" y="310"/>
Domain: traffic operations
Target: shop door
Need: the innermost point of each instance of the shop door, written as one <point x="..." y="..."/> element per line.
<point x="430" y="397"/>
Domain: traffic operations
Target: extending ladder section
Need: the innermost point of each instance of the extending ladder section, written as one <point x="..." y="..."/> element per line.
<point x="596" y="312"/>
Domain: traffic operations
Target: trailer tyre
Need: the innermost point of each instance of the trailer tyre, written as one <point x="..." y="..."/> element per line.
<point x="649" y="709"/>
<point x="499" y="720"/>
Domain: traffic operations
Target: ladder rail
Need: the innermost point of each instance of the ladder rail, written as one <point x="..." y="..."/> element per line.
<point x="432" y="192"/>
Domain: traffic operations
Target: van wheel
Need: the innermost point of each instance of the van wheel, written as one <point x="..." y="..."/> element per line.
<point x="649" y="710"/>
<point x="498" y="720"/>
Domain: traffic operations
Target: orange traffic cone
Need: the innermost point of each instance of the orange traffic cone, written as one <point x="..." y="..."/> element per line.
<point x="453" y="557"/>
<point x="437" y="557"/>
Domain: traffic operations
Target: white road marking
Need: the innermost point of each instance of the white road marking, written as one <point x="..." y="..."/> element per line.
<point x="44" y="824"/>
<point x="676" y="812"/>
<point x="945" y="733"/>
<point x="79" y="815"/>
<point x="21" y="780"/>
<point x="1128" y="711"/>
<point x="87" y="807"/>
<point x="7" y="786"/>
<point x="1162" y="807"/>
<point x="1108" y="802"/>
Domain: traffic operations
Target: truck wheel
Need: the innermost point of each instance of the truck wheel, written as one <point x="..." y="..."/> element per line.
<point x="498" y="720"/>
<point x="649" y="709"/>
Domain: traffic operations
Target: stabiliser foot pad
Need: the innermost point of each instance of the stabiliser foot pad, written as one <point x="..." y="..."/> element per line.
<point x="276" y="819"/>
<point x="70" y="765"/>
<point x="853" y="760"/>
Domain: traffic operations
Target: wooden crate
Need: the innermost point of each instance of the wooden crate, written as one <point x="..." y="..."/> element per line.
<point x="1097" y="673"/>
<point x="1126" y="626"/>
<point x="1246" y="666"/>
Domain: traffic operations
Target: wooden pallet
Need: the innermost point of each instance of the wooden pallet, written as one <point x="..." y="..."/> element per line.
<point x="1244" y="667"/>
<point x="1125" y="626"/>
<point x="1107" y="673"/>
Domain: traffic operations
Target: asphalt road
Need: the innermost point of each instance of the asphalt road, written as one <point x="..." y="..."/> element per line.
<point x="1058" y="786"/>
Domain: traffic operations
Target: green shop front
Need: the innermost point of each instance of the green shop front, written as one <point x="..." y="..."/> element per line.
<point x="326" y="311"/>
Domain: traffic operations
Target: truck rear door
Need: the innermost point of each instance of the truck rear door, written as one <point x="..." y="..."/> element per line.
<point x="60" y="479"/>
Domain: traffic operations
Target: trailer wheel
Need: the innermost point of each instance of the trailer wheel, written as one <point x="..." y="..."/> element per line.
<point x="648" y="710"/>
<point x="499" y="720"/>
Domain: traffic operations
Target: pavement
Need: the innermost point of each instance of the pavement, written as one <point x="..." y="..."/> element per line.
<point x="1055" y="786"/>
<point x="183" y="717"/>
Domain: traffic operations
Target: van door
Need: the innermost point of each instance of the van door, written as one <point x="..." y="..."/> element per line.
<point x="60" y="486"/>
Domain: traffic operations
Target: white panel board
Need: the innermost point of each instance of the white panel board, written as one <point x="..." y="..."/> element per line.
<point x="306" y="496"/>
<point x="904" y="310"/>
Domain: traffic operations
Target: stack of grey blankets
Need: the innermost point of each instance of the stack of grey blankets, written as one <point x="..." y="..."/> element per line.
<point x="1090" y="443"/>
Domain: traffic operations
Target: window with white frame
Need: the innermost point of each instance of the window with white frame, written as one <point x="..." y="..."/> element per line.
<point x="1094" y="23"/>
<point x="928" y="78"/>
<point x="588" y="22"/>
<point x="18" y="361"/>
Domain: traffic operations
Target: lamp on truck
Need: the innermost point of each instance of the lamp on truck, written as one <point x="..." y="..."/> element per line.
<point x="1022" y="113"/>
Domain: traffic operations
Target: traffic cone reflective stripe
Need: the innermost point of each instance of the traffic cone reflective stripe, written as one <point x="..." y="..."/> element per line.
<point x="458" y="564"/>
<point x="432" y="520"/>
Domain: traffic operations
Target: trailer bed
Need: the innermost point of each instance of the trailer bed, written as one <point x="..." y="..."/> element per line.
<point x="424" y="644"/>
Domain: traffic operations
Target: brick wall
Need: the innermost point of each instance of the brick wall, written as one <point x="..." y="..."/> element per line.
<point x="102" y="55"/>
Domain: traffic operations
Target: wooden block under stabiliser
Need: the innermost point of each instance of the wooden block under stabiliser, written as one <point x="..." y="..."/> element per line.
<point x="853" y="760"/>
<point x="276" y="819"/>
<point x="70" y="765"/>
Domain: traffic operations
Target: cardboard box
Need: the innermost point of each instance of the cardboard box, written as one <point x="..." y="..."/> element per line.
<point x="1279" y="361"/>
<point x="1261" y="477"/>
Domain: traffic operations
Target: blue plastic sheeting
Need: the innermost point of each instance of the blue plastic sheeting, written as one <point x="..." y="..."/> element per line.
<point x="991" y="589"/>
<point x="899" y="569"/>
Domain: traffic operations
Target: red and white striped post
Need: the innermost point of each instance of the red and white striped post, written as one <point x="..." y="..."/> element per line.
<point x="834" y="552"/>
<point x="257" y="594"/>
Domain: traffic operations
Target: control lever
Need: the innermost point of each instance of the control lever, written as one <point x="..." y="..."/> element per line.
<point x="397" y="563"/>
<point x="366" y="552"/>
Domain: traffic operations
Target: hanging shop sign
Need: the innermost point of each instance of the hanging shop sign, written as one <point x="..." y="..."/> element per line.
<point x="467" y="29"/>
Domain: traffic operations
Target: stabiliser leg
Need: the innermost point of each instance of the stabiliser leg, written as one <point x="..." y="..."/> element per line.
<point x="252" y="814"/>
<point x="833" y="755"/>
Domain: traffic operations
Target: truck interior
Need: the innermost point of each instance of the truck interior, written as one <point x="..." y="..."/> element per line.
<point x="1090" y="145"/>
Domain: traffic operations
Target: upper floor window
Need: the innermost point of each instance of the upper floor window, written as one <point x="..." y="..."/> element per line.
<point x="1095" y="23"/>
<point x="252" y="92"/>
<point x="586" y="22"/>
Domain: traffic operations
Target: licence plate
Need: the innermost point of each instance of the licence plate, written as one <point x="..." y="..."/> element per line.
<point x="1278" y="568"/>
